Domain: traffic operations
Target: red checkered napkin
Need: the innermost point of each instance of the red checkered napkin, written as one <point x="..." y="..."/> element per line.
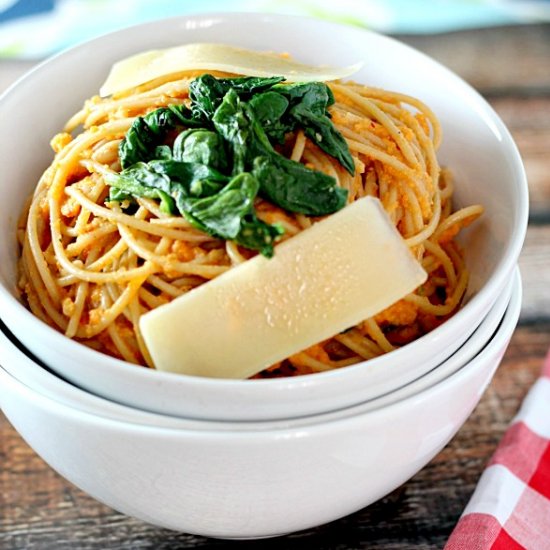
<point x="510" y="507"/>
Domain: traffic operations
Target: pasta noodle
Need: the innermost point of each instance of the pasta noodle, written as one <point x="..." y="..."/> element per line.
<point x="90" y="267"/>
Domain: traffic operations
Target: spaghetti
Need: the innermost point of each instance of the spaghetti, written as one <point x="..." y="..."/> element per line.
<point x="90" y="267"/>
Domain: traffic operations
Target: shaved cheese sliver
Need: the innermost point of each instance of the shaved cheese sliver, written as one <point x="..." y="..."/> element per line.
<point x="144" y="67"/>
<point x="331" y="276"/>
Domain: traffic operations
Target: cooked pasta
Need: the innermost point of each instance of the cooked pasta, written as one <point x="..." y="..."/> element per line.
<point x="91" y="266"/>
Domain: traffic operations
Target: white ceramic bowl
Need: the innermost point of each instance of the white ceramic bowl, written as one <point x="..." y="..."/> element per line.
<point x="476" y="146"/>
<point x="244" y="482"/>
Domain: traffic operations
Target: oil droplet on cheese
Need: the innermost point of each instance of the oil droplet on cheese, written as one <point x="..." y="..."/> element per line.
<point x="352" y="265"/>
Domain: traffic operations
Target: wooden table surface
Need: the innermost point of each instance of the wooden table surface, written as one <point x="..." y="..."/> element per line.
<point x="511" y="68"/>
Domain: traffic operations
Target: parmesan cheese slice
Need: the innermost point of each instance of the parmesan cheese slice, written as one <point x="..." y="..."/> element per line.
<point x="339" y="272"/>
<point x="144" y="67"/>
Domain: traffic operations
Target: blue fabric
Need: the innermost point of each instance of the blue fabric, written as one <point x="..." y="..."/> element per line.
<point x="24" y="8"/>
<point x="37" y="28"/>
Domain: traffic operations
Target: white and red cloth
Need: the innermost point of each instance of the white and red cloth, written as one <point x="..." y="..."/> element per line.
<point x="510" y="508"/>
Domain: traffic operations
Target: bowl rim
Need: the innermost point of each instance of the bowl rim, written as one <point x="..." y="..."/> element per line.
<point x="496" y="344"/>
<point x="482" y="298"/>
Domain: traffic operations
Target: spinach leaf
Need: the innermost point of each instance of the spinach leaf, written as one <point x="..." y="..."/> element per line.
<point x="207" y="199"/>
<point x="182" y="116"/>
<point x="200" y="146"/>
<point x="141" y="181"/>
<point x="246" y="86"/>
<point x="269" y="109"/>
<point x="308" y="109"/>
<point x="322" y="132"/>
<point x="232" y="124"/>
<point x="286" y="183"/>
<point x="315" y="96"/>
<point x="258" y="235"/>
<point x="198" y="180"/>
<point x="296" y="188"/>
<point x="230" y="214"/>
<point x="156" y="179"/>
<point x="207" y="92"/>
<point x="163" y="152"/>
<point x="138" y="143"/>
<point x="221" y="213"/>
<point x="148" y="131"/>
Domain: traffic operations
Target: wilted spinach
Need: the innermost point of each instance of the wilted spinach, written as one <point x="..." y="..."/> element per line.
<point x="284" y="182"/>
<point x="211" y="202"/>
<point x="308" y="109"/>
<point x="269" y="109"/>
<point x="207" y="92"/>
<point x="230" y="214"/>
<point x="149" y="131"/>
<point x="201" y="147"/>
<point x="223" y="156"/>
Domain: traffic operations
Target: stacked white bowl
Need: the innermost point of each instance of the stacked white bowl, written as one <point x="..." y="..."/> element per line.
<point x="240" y="459"/>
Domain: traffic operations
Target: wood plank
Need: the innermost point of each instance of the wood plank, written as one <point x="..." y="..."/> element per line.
<point x="534" y="264"/>
<point x="497" y="61"/>
<point x="40" y="510"/>
<point x="528" y="119"/>
<point x="511" y="68"/>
